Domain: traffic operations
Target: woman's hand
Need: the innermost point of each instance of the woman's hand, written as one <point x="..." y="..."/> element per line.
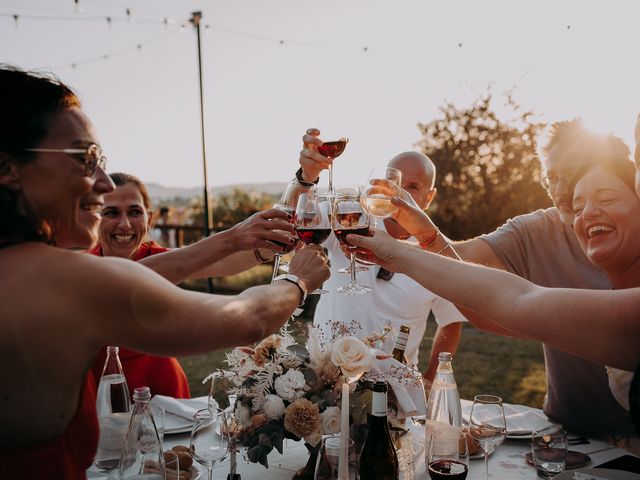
<point x="311" y="265"/>
<point x="261" y="230"/>
<point x="312" y="161"/>
<point x="386" y="249"/>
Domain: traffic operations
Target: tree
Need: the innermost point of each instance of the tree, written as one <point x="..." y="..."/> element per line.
<point x="229" y="209"/>
<point x="487" y="168"/>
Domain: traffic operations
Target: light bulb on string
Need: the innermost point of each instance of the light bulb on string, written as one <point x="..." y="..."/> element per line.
<point x="166" y="24"/>
<point x="109" y="23"/>
<point x="16" y="20"/>
<point x="129" y="16"/>
<point x="207" y="29"/>
<point x="76" y="6"/>
<point x="183" y="27"/>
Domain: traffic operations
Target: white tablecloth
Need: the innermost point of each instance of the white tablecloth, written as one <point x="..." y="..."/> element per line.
<point x="506" y="463"/>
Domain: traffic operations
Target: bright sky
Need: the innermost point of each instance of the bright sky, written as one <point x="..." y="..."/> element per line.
<point x="566" y="58"/>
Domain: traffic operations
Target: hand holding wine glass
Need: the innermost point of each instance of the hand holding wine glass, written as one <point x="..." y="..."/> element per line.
<point x="487" y="425"/>
<point x="287" y="204"/>
<point x="384" y="184"/>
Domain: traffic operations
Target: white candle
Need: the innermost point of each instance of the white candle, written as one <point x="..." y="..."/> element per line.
<point x="343" y="460"/>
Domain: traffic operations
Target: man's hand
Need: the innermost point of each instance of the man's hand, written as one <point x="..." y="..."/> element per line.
<point x="311" y="161"/>
<point x="311" y="265"/>
<point x="411" y="217"/>
<point x="384" y="247"/>
<point x="262" y="229"/>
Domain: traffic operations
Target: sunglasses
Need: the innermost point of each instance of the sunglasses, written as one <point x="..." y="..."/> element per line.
<point x="91" y="157"/>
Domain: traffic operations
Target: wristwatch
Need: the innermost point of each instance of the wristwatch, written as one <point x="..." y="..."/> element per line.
<point x="290" y="277"/>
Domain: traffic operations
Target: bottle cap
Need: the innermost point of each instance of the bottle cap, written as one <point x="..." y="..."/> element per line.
<point x="141" y="394"/>
<point x="445" y="357"/>
<point x="112" y="349"/>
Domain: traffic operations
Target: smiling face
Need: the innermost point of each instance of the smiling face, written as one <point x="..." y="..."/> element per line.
<point x="54" y="185"/>
<point x="125" y="222"/>
<point x="606" y="222"/>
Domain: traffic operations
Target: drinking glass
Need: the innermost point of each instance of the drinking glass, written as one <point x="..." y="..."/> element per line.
<point x="350" y="218"/>
<point x="447" y="455"/>
<point x="487" y="425"/>
<point x="312" y="222"/>
<point x="287" y="204"/>
<point x="328" y="456"/>
<point x="209" y="438"/>
<point x="332" y="150"/>
<point x="384" y="183"/>
<point x="549" y="451"/>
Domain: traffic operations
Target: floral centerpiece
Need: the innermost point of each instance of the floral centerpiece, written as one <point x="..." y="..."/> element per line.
<point x="285" y="390"/>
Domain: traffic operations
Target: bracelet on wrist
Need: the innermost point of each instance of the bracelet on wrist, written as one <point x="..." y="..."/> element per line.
<point x="259" y="257"/>
<point x="447" y="245"/>
<point x="303" y="182"/>
<point x="430" y="242"/>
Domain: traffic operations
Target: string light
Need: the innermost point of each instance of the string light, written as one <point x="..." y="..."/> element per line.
<point x="15" y="19"/>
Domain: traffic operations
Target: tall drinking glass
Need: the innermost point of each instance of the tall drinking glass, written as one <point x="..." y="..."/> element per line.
<point x="210" y="438"/>
<point x="549" y="451"/>
<point x="487" y="425"/>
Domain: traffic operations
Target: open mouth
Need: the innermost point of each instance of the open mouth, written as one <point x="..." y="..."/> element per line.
<point x="598" y="230"/>
<point x="122" y="238"/>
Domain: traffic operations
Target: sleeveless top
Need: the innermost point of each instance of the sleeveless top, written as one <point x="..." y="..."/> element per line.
<point x="67" y="456"/>
<point x="163" y="375"/>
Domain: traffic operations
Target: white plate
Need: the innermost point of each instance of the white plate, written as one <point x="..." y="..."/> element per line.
<point x="604" y="473"/>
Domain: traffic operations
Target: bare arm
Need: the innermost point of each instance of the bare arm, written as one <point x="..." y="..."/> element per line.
<point x="446" y="339"/>
<point x="206" y="258"/>
<point x="599" y="325"/>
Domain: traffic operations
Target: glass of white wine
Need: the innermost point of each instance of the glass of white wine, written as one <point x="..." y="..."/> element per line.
<point x="384" y="184"/>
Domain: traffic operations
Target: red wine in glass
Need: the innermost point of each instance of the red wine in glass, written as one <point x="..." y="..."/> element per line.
<point x="313" y="236"/>
<point x="342" y="237"/>
<point x="286" y="246"/>
<point x="447" y="470"/>
<point x="332" y="150"/>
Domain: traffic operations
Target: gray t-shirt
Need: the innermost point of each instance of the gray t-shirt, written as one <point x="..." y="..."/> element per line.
<point x="539" y="247"/>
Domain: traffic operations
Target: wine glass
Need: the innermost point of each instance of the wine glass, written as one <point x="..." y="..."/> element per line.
<point x="487" y="425"/>
<point x="333" y="150"/>
<point x="384" y="183"/>
<point x="448" y="454"/>
<point x="350" y="218"/>
<point x="312" y="222"/>
<point x="287" y="204"/>
<point x="549" y="450"/>
<point x="210" y="438"/>
<point x="328" y="456"/>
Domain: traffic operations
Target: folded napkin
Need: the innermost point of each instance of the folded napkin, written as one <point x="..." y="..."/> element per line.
<point x="179" y="412"/>
<point x="406" y="384"/>
<point x="586" y="476"/>
<point x="521" y="420"/>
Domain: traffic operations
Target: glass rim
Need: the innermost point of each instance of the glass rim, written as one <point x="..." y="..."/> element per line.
<point x="487" y="398"/>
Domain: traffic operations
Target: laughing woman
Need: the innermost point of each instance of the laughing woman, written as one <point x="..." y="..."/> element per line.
<point x="58" y="308"/>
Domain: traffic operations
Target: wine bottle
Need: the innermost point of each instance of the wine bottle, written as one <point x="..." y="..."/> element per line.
<point x="401" y="344"/>
<point x="444" y="411"/>
<point x="378" y="460"/>
<point x="112" y="407"/>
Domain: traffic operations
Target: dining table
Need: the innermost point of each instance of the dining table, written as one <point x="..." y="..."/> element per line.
<point x="507" y="462"/>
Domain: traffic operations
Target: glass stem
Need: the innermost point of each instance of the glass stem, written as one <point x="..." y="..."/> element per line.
<point x="331" y="178"/>
<point x="353" y="267"/>
<point x="276" y="266"/>
<point x="210" y="472"/>
<point x="486" y="466"/>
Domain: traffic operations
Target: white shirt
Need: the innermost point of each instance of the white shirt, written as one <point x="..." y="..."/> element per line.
<point x="396" y="302"/>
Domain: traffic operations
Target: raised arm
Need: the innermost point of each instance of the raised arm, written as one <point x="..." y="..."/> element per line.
<point x="208" y="257"/>
<point x="598" y="325"/>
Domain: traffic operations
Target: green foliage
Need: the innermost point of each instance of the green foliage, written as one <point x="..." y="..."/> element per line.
<point x="487" y="168"/>
<point x="229" y="209"/>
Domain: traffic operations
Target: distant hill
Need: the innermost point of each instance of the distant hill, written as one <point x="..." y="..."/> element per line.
<point x="159" y="192"/>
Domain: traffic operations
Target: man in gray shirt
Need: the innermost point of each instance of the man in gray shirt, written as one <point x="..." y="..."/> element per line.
<point x="542" y="247"/>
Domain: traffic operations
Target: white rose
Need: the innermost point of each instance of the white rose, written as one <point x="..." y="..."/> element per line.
<point x="352" y="356"/>
<point x="273" y="407"/>
<point x="330" y="420"/>
<point x="243" y="415"/>
<point x="286" y="385"/>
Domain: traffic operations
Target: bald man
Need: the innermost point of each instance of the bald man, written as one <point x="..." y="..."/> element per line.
<point x="395" y="299"/>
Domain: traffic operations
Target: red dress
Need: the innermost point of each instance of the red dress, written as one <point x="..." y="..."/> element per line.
<point x="67" y="456"/>
<point x="163" y="375"/>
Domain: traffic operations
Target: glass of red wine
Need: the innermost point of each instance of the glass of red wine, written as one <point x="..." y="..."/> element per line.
<point x="287" y="204"/>
<point x="333" y="149"/>
<point x="312" y="222"/>
<point x="350" y="218"/>
<point x="448" y="455"/>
